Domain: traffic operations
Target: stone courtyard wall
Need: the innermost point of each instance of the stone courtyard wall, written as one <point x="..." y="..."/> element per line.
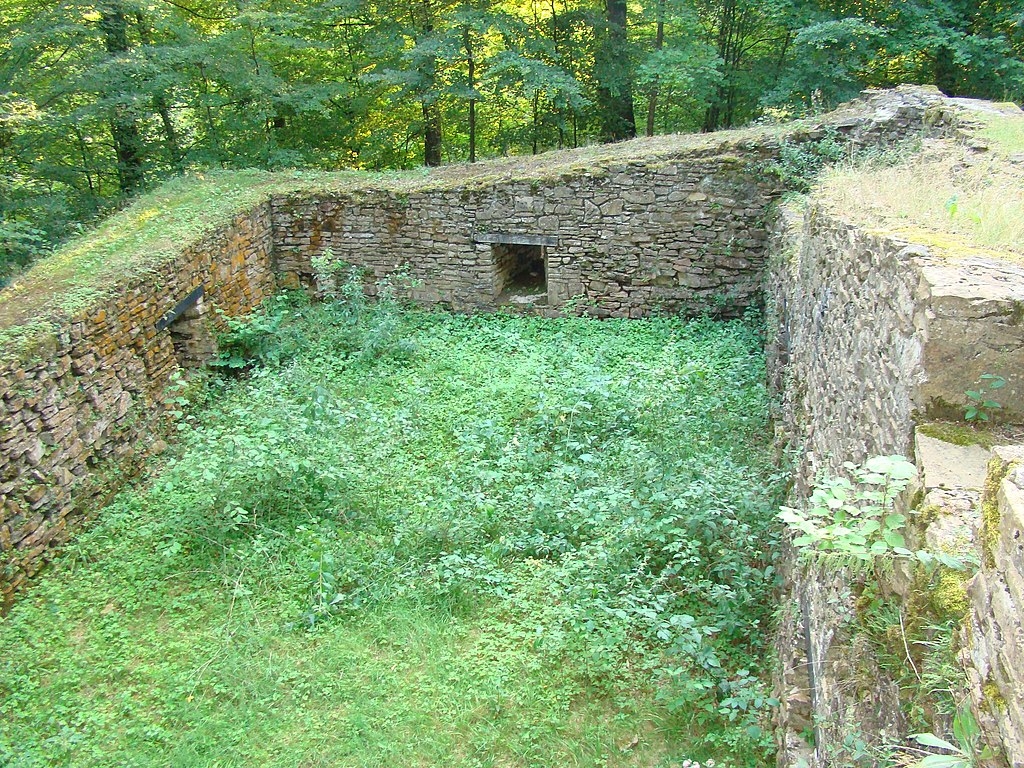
<point x="869" y="336"/>
<point x="845" y="361"/>
<point x="993" y="648"/>
<point x="663" y="231"/>
<point x="80" y="414"/>
<point x="671" y="234"/>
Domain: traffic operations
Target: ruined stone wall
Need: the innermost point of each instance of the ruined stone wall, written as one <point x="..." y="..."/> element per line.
<point x="994" y="639"/>
<point x="847" y="314"/>
<point x="869" y="335"/>
<point x="80" y="413"/>
<point x="678" y="235"/>
<point x="662" y="225"/>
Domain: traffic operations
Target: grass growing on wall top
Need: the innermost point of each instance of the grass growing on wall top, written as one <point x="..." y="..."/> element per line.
<point x="85" y="272"/>
<point x="959" y="201"/>
<point x="426" y="540"/>
<point x="1005" y="133"/>
<point x="132" y="243"/>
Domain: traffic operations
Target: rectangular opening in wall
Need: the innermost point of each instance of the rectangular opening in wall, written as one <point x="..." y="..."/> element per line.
<point x="520" y="266"/>
<point x="520" y="273"/>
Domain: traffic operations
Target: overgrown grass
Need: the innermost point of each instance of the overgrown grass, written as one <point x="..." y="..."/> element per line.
<point x="958" y="201"/>
<point x="424" y="539"/>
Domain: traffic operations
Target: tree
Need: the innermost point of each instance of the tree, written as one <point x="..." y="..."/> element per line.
<point x="613" y="73"/>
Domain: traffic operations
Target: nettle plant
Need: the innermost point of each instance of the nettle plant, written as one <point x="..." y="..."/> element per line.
<point x="852" y="520"/>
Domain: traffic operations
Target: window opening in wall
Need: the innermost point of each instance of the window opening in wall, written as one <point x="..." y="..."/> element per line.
<point x="520" y="273"/>
<point x="520" y="264"/>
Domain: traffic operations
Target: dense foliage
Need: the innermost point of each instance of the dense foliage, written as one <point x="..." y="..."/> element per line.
<point x="100" y="97"/>
<point x="422" y="539"/>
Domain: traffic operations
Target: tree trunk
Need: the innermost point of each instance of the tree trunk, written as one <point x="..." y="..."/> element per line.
<point x="160" y="102"/>
<point x="431" y="134"/>
<point x="659" y="43"/>
<point x="467" y="42"/>
<point x="944" y="71"/>
<point x="428" y="99"/>
<point x="615" y="83"/>
<point x="124" y="128"/>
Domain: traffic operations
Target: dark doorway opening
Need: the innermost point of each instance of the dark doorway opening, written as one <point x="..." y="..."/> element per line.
<point x="191" y="337"/>
<point x="520" y="272"/>
<point x="193" y="342"/>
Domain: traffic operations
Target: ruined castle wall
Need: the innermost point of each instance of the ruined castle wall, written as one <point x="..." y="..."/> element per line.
<point x="869" y="333"/>
<point x="994" y="638"/>
<point x="79" y="413"/>
<point x="684" y="235"/>
<point x="847" y="315"/>
<point x="677" y="228"/>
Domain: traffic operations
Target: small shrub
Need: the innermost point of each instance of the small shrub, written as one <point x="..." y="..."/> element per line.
<point x="853" y="521"/>
<point x="262" y="338"/>
<point x="799" y="163"/>
<point x="980" y="405"/>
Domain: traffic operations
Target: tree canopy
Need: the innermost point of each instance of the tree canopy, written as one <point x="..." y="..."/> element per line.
<point x="101" y="98"/>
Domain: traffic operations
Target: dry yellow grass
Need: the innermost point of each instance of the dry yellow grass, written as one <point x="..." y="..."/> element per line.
<point x="955" y="198"/>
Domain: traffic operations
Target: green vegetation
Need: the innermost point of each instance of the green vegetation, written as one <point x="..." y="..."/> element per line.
<point x="1003" y="132"/>
<point x="852" y="521"/>
<point x="957" y="433"/>
<point x="800" y="163"/>
<point x="968" y="752"/>
<point x="990" y="517"/>
<point x="424" y="539"/>
<point x="955" y="200"/>
<point x="980" y="405"/>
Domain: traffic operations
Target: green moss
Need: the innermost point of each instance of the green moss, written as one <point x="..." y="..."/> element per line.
<point x="997" y="470"/>
<point x="916" y="499"/>
<point x="948" y="596"/>
<point x="993" y="697"/>
<point x="928" y="514"/>
<point x="957" y="434"/>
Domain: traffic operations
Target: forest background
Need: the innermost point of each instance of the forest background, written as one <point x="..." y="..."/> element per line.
<point x="101" y="99"/>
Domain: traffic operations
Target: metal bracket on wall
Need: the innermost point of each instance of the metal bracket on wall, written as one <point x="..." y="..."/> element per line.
<point x="504" y="239"/>
<point x="180" y="308"/>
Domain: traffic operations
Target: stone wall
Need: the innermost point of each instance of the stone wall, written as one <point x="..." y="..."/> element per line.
<point x="677" y="235"/>
<point x="846" y="358"/>
<point x="81" y="414"/>
<point x="673" y="230"/>
<point x="674" y="224"/>
<point x="870" y="335"/>
<point x="994" y="648"/>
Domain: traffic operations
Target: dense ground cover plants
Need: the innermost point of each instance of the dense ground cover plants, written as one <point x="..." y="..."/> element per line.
<point x="406" y="538"/>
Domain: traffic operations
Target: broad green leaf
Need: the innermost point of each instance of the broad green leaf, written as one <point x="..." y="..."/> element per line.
<point x="933" y="741"/>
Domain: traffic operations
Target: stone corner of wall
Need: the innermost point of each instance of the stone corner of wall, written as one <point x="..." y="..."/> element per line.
<point x="993" y="653"/>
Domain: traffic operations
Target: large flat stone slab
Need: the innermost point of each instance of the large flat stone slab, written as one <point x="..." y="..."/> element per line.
<point x="945" y="465"/>
<point x="975" y="326"/>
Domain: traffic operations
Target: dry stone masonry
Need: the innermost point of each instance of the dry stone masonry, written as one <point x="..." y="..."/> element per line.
<point x="677" y="235"/>
<point x="872" y="333"/>
<point x="994" y="637"/>
<point x="79" y="415"/>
